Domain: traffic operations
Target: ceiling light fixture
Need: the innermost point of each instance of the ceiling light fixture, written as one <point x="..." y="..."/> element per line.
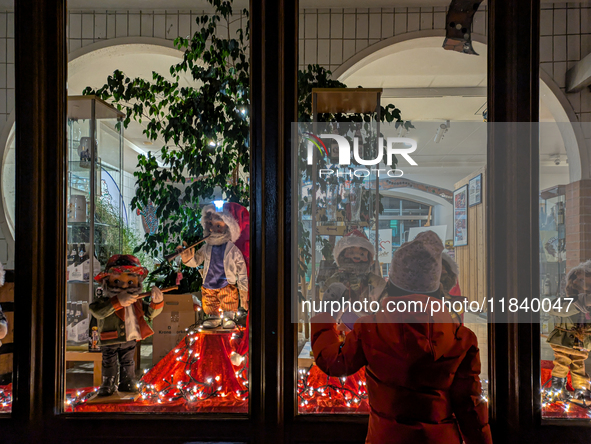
<point x="441" y="131"/>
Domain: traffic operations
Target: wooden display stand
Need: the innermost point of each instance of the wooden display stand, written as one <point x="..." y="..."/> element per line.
<point x="84" y="356"/>
<point x="115" y="398"/>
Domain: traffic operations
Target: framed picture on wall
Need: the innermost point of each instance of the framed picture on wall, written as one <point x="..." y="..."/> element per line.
<point x="475" y="190"/>
<point x="461" y="216"/>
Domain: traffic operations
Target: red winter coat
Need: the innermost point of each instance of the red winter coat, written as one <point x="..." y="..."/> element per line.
<point x="422" y="374"/>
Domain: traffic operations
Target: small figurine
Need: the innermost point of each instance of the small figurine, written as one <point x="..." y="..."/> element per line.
<point x="121" y="313"/>
<point x="225" y="274"/>
<point x="571" y="338"/>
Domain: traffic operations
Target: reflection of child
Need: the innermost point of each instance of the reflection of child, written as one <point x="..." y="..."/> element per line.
<point x="354" y="255"/>
<point x="571" y="337"/>
<point x="121" y="324"/>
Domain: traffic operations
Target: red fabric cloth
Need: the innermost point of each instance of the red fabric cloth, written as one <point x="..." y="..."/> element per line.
<point x="421" y="370"/>
<point x="320" y="393"/>
<point x="242" y="216"/>
<point x="455" y="291"/>
<point x="6" y="398"/>
<point x="560" y="410"/>
<point x="204" y="356"/>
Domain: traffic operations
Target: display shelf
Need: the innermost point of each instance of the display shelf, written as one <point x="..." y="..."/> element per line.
<point x="95" y="150"/>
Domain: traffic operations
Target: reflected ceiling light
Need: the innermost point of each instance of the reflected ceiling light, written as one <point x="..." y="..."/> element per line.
<point x="441" y="131"/>
<point x="458" y="33"/>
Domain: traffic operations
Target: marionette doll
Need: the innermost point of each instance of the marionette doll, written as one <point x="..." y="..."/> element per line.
<point x="354" y="255"/>
<point x="571" y="338"/>
<point x="121" y="314"/>
<point x="224" y="272"/>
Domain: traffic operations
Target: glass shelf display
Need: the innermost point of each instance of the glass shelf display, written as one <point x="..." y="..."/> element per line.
<point x="94" y="214"/>
<point x="552" y="250"/>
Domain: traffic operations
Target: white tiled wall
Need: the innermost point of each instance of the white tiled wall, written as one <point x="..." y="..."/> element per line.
<point x="86" y="28"/>
<point x="565" y="39"/>
<point x="6" y="66"/>
<point x="331" y="36"/>
<point x="6" y="98"/>
<point x="327" y="36"/>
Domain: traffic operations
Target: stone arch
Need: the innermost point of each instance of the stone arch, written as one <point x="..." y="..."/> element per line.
<point x="552" y="96"/>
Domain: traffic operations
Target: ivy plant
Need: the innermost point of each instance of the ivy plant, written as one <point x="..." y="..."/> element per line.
<point x="205" y="129"/>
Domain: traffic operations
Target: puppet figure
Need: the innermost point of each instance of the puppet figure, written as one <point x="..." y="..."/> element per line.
<point x="571" y="338"/>
<point x="224" y="272"/>
<point x="121" y="314"/>
<point x="354" y="255"/>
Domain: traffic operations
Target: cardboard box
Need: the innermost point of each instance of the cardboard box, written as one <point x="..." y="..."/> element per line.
<point x="169" y="326"/>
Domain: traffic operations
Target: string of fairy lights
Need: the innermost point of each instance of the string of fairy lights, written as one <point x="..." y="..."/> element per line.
<point x="188" y="388"/>
<point x="351" y="398"/>
<point x="561" y="398"/>
<point x="307" y="392"/>
<point x="5" y="397"/>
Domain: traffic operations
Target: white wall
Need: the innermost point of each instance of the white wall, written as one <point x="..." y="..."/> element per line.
<point x="327" y="36"/>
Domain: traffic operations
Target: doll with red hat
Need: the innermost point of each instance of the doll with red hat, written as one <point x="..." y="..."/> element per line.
<point x="225" y="271"/>
<point x="121" y="314"/>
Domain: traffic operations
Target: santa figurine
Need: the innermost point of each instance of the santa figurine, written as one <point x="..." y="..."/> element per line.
<point x="121" y="314"/>
<point x="354" y="255"/>
<point x="224" y="272"/>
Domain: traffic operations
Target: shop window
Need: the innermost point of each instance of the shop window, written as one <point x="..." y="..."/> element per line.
<point x="443" y="193"/>
<point x="7" y="207"/>
<point x="158" y="212"/>
<point x="564" y="274"/>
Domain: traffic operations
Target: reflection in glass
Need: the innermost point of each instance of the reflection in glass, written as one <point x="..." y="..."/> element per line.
<point x="345" y="249"/>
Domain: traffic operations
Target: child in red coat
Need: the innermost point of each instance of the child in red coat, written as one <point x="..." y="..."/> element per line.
<point x="422" y="371"/>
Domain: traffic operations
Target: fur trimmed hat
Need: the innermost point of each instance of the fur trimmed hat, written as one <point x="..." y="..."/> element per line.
<point x="455" y="269"/>
<point x="416" y="265"/>
<point x="583" y="266"/>
<point x="355" y="238"/>
<point x="226" y="216"/>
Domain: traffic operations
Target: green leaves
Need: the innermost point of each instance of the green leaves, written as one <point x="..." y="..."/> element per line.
<point x="186" y="121"/>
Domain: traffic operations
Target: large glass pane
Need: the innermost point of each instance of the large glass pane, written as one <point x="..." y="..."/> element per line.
<point x="158" y="221"/>
<point x="7" y="205"/>
<point x="443" y="94"/>
<point x="564" y="253"/>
